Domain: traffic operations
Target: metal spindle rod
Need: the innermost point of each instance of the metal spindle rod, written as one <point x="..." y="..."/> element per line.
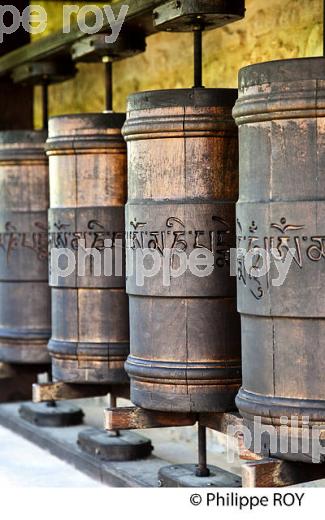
<point x="198" y="58"/>
<point x="202" y="468"/>
<point x="45" y="106"/>
<point x="112" y="400"/>
<point x="108" y="85"/>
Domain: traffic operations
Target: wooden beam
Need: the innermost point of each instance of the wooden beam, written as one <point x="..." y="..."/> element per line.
<point x="133" y="418"/>
<point x="245" y="453"/>
<point x="59" y="391"/>
<point x="229" y="424"/>
<point x="56" y="45"/>
<point x="139" y="20"/>
<point x="16" y="101"/>
<point x="222" y="422"/>
<point x="279" y="473"/>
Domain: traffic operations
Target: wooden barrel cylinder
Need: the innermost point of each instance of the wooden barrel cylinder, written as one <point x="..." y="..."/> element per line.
<point x="182" y="188"/>
<point x="280" y="113"/>
<point x="25" y="321"/>
<point x="90" y="330"/>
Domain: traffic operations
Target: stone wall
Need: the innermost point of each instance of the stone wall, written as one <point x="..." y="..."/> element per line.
<point x="273" y="29"/>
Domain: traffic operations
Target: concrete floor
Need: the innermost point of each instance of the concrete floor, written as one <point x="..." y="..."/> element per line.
<point x="22" y="464"/>
<point x="25" y="465"/>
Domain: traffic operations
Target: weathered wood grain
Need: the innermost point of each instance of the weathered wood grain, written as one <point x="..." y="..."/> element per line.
<point x="278" y="473"/>
<point x="182" y="188"/>
<point x="90" y="325"/>
<point x="62" y="391"/>
<point x="133" y="418"/>
<point x="25" y="321"/>
<point x="221" y="422"/>
<point x="281" y="209"/>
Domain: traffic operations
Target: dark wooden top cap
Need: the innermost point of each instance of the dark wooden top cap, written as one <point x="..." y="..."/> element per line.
<point x="299" y="69"/>
<point x="79" y="123"/>
<point x="22" y="137"/>
<point x="194" y="97"/>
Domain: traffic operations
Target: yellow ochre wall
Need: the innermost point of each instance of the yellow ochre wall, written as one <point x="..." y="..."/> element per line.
<point x="272" y="29"/>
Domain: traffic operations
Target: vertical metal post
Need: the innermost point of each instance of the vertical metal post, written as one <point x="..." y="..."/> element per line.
<point x="202" y="468"/>
<point x="112" y="400"/>
<point x="198" y="58"/>
<point x="45" y="106"/>
<point x="108" y="84"/>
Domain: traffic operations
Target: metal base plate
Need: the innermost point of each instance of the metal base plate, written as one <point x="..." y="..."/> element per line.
<point x="95" y="47"/>
<point x="51" y="414"/>
<point x="42" y="71"/>
<point x="108" y="446"/>
<point x="183" y="475"/>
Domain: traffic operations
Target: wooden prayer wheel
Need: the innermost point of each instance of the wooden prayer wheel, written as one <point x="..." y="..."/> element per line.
<point x="280" y="113"/>
<point x="182" y="188"/>
<point x="25" y="324"/>
<point x="90" y="333"/>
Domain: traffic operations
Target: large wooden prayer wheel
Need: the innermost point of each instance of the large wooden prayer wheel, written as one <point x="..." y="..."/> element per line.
<point x="90" y="333"/>
<point x="182" y="188"/>
<point x="25" y="324"/>
<point x="280" y="113"/>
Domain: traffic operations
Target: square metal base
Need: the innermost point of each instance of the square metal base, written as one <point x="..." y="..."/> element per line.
<point x="183" y="475"/>
<point x="109" y="446"/>
<point x="51" y="414"/>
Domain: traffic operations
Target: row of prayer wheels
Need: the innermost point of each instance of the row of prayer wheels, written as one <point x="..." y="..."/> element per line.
<point x="173" y="328"/>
